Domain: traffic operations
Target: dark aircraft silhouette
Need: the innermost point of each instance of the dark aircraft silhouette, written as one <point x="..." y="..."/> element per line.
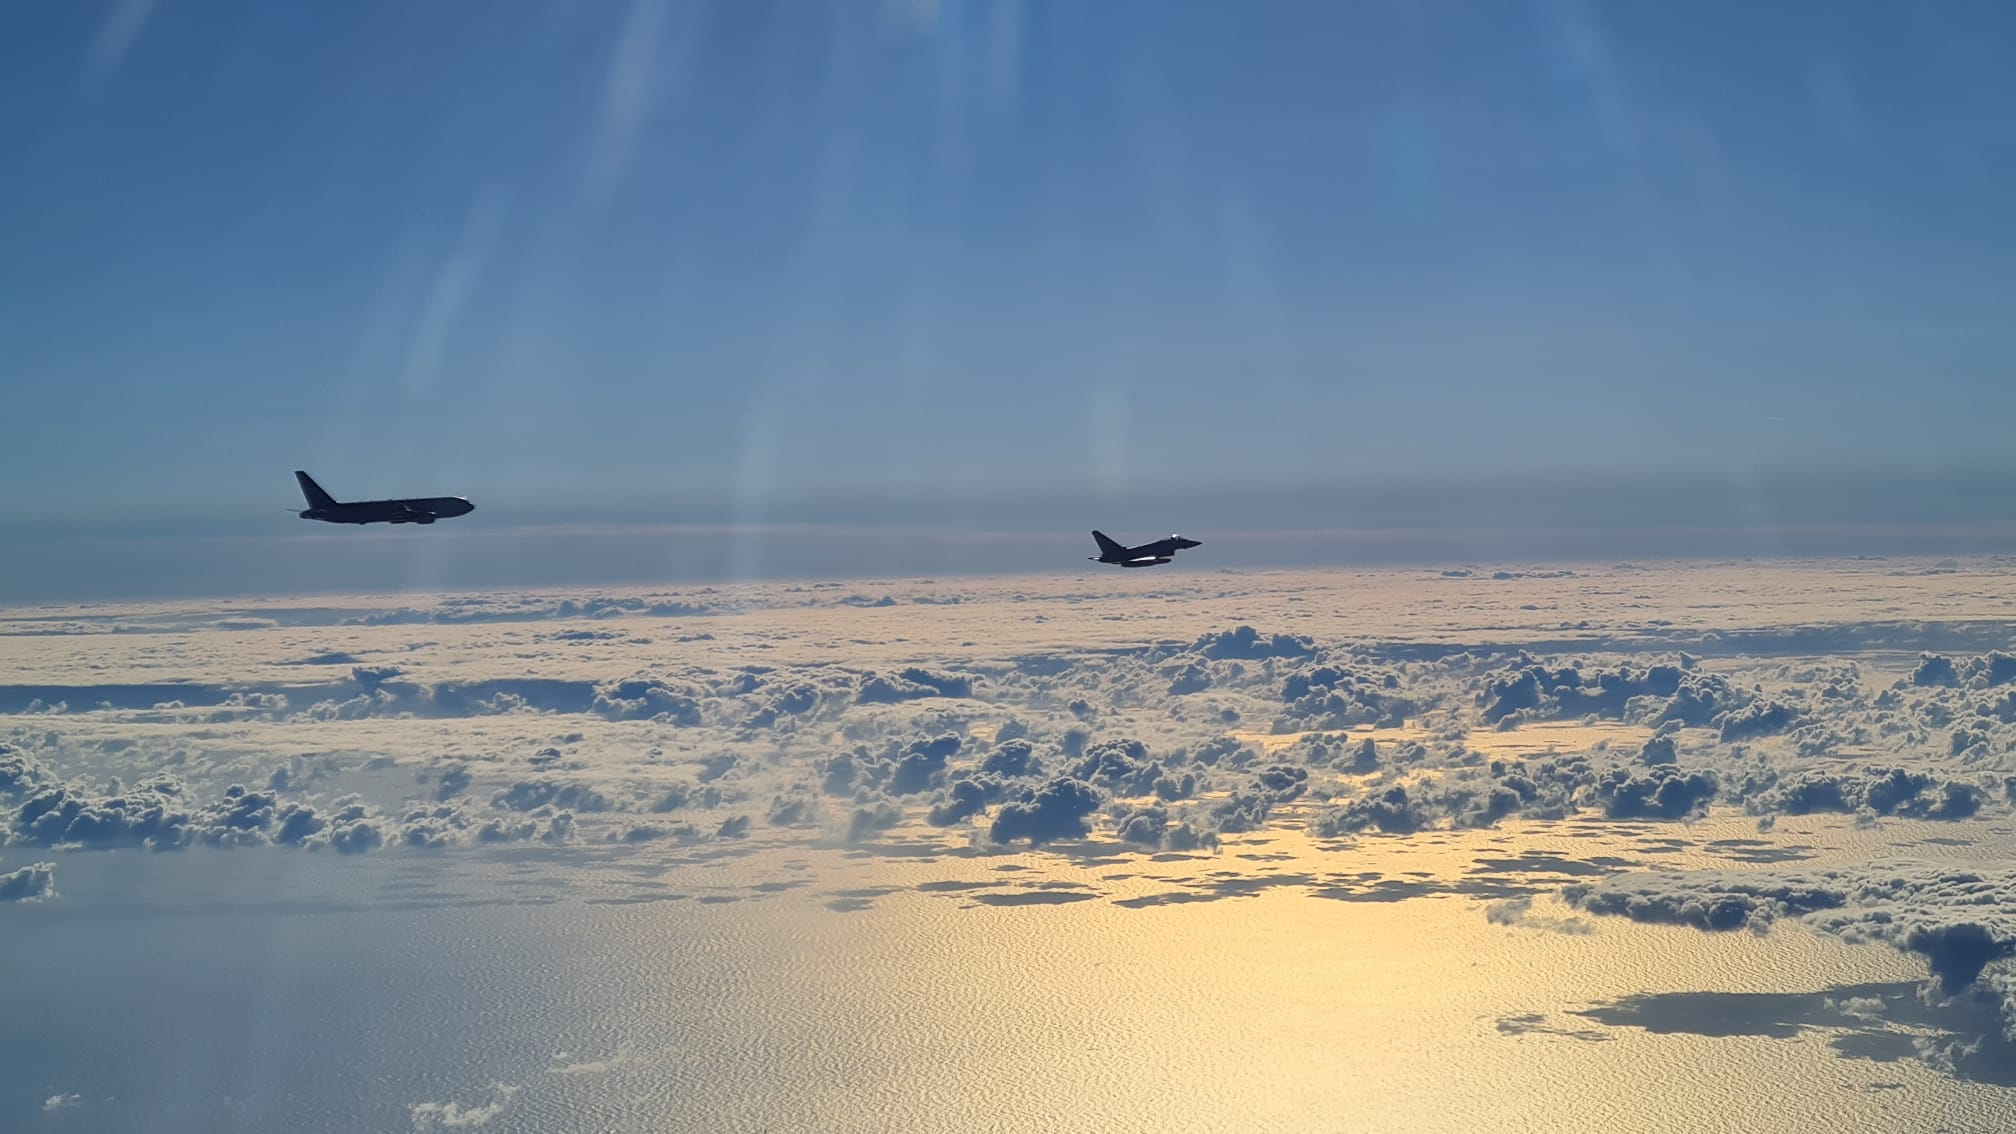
<point x="418" y="510"/>
<point x="1147" y="555"/>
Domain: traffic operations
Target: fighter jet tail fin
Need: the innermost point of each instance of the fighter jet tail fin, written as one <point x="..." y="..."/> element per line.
<point x="312" y="492"/>
<point x="1107" y="544"/>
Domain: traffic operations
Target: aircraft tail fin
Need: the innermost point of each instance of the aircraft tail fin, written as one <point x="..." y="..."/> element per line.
<point x="312" y="492"/>
<point x="1107" y="544"/>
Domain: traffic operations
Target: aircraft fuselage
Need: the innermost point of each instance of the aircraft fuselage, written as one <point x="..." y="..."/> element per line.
<point x="417" y="510"/>
<point x="411" y="510"/>
<point x="1113" y="552"/>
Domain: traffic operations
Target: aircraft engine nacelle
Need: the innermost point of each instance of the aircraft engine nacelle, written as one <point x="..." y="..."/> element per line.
<point x="423" y="519"/>
<point x="1156" y="562"/>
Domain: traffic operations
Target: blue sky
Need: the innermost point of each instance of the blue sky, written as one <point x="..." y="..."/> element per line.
<point x="821" y="261"/>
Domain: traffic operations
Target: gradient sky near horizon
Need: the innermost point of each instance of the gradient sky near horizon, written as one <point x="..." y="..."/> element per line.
<point x="549" y="254"/>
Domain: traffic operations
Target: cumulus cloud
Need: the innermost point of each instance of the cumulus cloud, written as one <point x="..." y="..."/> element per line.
<point x="351" y="830"/>
<point x="1661" y="793"/>
<point x="530" y="795"/>
<point x="872" y="817"/>
<point x="783" y="705"/>
<point x="1960" y="920"/>
<point x="161" y="813"/>
<point x="967" y="797"/>
<point x="453" y="782"/>
<point x="1532" y="691"/>
<point x="1053" y="812"/>
<point x="1013" y="757"/>
<point x="1343" y="696"/>
<point x="1519" y="911"/>
<point x="648" y="699"/>
<point x="496" y="830"/>
<point x="428" y="1116"/>
<point x="1123" y="766"/>
<point x="1160" y="745"/>
<point x="910" y="685"/>
<point x="19" y="775"/>
<point x="1391" y="811"/>
<point x="154" y="813"/>
<point x="922" y="765"/>
<point x="1246" y="642"/>
<point x="899" y="767"/>
<point x="1879" y="791"/>
<point x="1935" y="670"/>
<point x="33" y="883"/>
<point x="1154" y="827"/>
<point x="1758" y="718"/>
<point x="1471" y="796"/>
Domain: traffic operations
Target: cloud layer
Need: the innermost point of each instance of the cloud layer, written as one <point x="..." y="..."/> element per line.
<point x="1128" y="716"/>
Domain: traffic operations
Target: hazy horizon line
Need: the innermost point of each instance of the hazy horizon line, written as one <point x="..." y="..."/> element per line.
<point x="1705" y="494"/>
<point x="447" y="559"/>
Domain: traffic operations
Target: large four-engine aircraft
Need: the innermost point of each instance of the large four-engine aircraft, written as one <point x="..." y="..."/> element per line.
<point x="1146" y="555"/>
<point x="416" y="510"/>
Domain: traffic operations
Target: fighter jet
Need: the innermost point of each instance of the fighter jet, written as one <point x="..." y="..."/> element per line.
<point x="1147" y="555"/>
<point x="418" y="510"/>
